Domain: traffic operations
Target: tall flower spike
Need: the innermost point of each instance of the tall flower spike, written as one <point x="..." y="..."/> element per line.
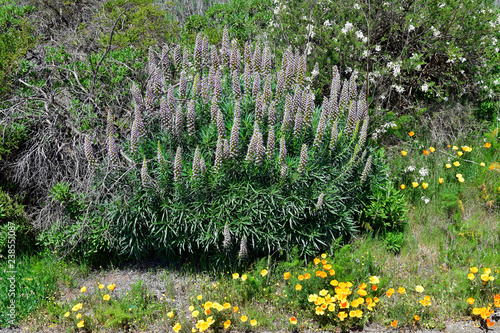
<point x="283" y="170"/>
<point x="303" y="159"/>
<point x="325" y="108"/>
<point x="285" y="58"/>
<point x="196" y="170"/>
<point x="334" y="108"/>
<point x="248" y="54"/>
<point x="205" y="89"/>
<point x="236" y="85"/>
<point x="248" y="80"/>
<point x="190" y="118"/>
<point x="308" y="108"/>
<point x="221" y="126"/>
<point x="267" y="90"/>
<point x="227" y="237"/>
<point x="214" y="109"/>
<point x="333" y="136"/>
<point x="203" y="167"/>
<point x="145" y="178"/>
<point x="110" y="131"/>
<point x="352" y="88"/>
<point x="138" y="122"/>
<point x="112" y="150"/>
<point x="260" y="151"/>
<point x="133" y="137"/>
<point x="204" y="54"/>
<point x="225" y="47"/>
<point x="89" y="152"/>
<point x="363" y="133"/>
<point x="319" y="204"/>
<point x="280" y="85"/>
<point x="218" y="85"/>
<point x="256" y="85"/>
<point x="297" y="130"/>
<point x="335" y="86"/>
<point x="178" y="165"/>
<point x="177" y="57"/>
<point x="234" y="56"/>
<point x="150" y="99"/>
<point x="256" y="59"/>
<point x="196" y="86"/>
<point x="215" y="57"/>
<point x="182" y="84"/>
<point x="159" y="81"/>
<point x="266" y="61"/>
<point x="282" y="153"/>
<point x="243" y="254"/>
<point x="198" y="52"/>
<point x="271" y="140"/>
<point x="252" y="145"/>
<point x="301" y="70"/>
<point x="297" y="100"/>
<point x="259" y="109"/>
<point x="159" y="155"/>
<point x="235" y="131"/>
<point x="351" y="118"/>
<point x="271" y="115"/>
<point x="218" y="155"/>
<point x="290" y="71"/>
<point x="367" y="169"/>
<point x="179" y="122"/>
<point x="344" y="98"/>
<point x="136" y="95"/>
<point x="320" y="130"/>
<point x="225" y="149"/>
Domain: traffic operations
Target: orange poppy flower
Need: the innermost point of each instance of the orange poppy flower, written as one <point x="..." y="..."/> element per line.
<point x="426" y="152"/>
<point x="394" y="323"/>
<point x="411" y="133"/>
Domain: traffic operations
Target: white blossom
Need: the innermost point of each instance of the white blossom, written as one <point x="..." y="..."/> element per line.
<point x="411" y="28"/>
<point x="399" y="89"/>
<point x="327" y="23"/>
<point x="310" y="32"/>
<point x="425" y="87"/>
<point x="441" y="5"/>
<point x="348" y="27"/>
<point x="357" y="6"/>
<point x="377" y="48"/>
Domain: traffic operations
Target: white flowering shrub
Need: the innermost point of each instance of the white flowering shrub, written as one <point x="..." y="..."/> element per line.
<point x="407" y="50"/>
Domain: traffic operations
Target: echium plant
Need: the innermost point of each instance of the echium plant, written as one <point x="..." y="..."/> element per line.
<point x="236" y="160"/>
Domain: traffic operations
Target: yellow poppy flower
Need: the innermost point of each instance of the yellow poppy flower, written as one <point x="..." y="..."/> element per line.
<point x="244" y="319"/>
<point x="470" y="300"/>
<point x="419" y="289"/>
<point x="264" y="272"/>
<point x="374" y="279"/>
<point x="455" y="148"/>
<point x="298" y="287"/>
<point x="342" y="315"/>
<point x="425" y="185"/>
<point x="78" y="316"/>
<point x="106" y="297"/>
<point x="227" y="323"/>
<point x="177" y="327"/>
<point x="170" y="314"/>
<point x="199" y="297"/>
<point x="293" y="321"/>
<point x="487" y="145"/>
<point x="195" y="313"/>
<point x="67" y="314"/>
<point x="460" y="153"/>
<point x="456" y="163"/>
<point x="487" y="270"/>
<point x="485" y="277"/>
<point x="414" y="184"/>
<point x="448" y="165"/>
<point x="83" y="289"/>
<point x="80" y="324"/>
<point x="470" y="276"/>
<point x="287" y="275"/>
<point x="101" y="286"/>
<point x="482" y="164"/>
<point x="253" y="322"/>
<point x="404" y="152"/>
<point x="77" y="307"/>
<point x="244" y="277"/>
<point x="473" y="270"/>
<point x="432" y="149"/>
<point x="441" y="180"/>
<point x="111" y="287"/>
<point x="401" y="290"/>
<point x="411" y="133"/>
<point x="390" y="292"/>
<point x="402" y="186"/>
<point x="236" y="276"/>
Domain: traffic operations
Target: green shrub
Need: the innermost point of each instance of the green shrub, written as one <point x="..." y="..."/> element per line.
<point x="262" y="201"/>
<point x="143" y="24"/>
<point x="12" y="212"/>
<point x="15" y="39"/>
